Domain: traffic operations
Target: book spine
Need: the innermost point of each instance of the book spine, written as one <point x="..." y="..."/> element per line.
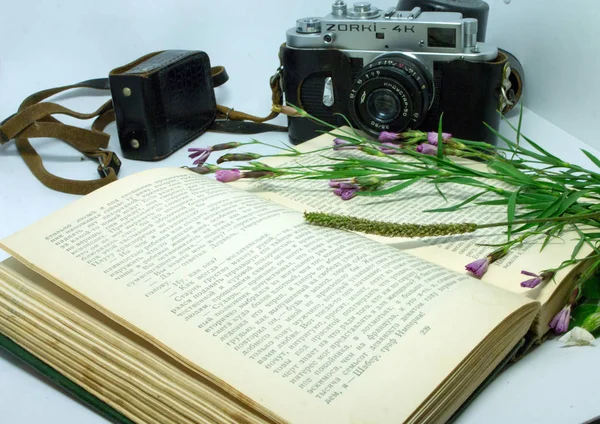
<point x="62" y="382"/>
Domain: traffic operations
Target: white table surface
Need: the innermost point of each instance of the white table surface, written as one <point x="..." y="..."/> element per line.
<point x="550" y="385"/>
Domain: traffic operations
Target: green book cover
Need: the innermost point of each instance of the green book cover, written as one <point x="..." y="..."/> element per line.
<point x="113" y="415"/>
<point x="63" y="382"/>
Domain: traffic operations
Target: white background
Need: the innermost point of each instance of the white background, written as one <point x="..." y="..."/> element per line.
<point x="50" y="43"/>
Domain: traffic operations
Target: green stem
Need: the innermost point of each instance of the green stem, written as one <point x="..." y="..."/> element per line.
<point x="541" y="220"/>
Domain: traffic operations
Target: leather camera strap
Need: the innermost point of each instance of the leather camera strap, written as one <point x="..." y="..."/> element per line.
<point x="34" y="120"/>
<point x="231" y="121"/>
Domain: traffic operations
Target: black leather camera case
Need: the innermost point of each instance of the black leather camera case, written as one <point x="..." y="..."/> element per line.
<point x="162" y="101"/>
<point x="466" y="92"/>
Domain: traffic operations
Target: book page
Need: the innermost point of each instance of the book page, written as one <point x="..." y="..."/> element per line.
<point x="408" y="206"/>
<point x="300" y="322"/>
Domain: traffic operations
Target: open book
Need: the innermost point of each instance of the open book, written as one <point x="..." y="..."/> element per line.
<point x="450" y="252"/>
<point x="174" y="298"/>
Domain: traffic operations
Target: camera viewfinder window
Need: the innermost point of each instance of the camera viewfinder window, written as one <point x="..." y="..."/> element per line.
<point x="441" y="37"/>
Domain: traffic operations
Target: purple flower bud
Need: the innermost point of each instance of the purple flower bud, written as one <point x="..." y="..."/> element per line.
<point x="388" y="136"/>
<point x="240" y="157"/>
<point x="339" y="144"/>
<point x="478" y="267"/>
<point x="202" y="170"/>
<point x="202" y="153"/>
<point x="335" y="183"/>
<point x="228" y="175"/>
<point x="258" y="174"/>
<point x="389" y="148"/>
<point x="532" y="282"/>
<point x="432" y="137"/>
<point x="197" y="151"/>
<point x="225" y="146"/>
<point x="537" y="279"/>
<point x="427" y="149"/>
<point x="346" y="190"/>
<point x="346" y="193"/>
<point x="202" y="159"/>
<point x="560" y="322"/>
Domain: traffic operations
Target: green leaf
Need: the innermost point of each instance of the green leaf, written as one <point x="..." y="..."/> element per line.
<point x="439" y="190"/>
<point x="554" y="232"/>
<point x="577" y="248"/>
<point x="462" y="180"/>
<point x="348" y="123"/>
<point x="540" y="149"/>
<point x="512" y="206"/>
<point x="571" y="200"/>
<point x="592" y="157"/>
<point x="353" y="140"/>
<point x="390" y="190"/>
<point x="458" y="206"/>
<point x="509" y="170"/>
<point x="591" y="288"/>
<point x="519" y="125"/>
<point x="581" y="312"/>
<point x="440" y="147"/>
<point x="493" y="202"/>
<point x="520" y="150"/>
<point x="546" y="213"/>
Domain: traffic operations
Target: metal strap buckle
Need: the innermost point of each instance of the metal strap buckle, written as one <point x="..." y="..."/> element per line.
<point x="114" y="164"/>
<point x="277" y="78"/>
<point x="506" y="94"/>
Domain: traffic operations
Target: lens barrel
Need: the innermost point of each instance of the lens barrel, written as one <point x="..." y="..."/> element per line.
<point x="392" y="93"/>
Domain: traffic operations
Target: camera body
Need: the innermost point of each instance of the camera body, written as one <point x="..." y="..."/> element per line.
<point x="393" y="70"/>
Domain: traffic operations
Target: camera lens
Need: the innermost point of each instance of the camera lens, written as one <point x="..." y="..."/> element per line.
<point x="383" y="105"/>
<point x="392" y="93"/>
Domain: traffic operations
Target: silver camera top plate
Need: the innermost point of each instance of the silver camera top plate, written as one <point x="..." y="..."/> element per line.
<point x="429" y="35"/>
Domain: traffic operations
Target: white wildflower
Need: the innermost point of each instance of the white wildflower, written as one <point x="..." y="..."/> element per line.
<point x="577" y="337"/>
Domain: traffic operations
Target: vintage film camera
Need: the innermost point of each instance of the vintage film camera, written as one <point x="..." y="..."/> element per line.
<point x="394" y="70"/>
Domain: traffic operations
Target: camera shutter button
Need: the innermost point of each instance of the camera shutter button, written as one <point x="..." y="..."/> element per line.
<point x="363" y="10"/>
<point x="308" y="25"/>
<point x="362" y="7"/>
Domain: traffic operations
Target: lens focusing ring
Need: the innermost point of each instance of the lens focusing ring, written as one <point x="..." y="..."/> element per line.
<point x="402" y="76"/>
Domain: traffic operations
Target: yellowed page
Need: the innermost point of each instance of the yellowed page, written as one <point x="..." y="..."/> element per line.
<point x="315" y="325"/>
<point x="407" y="206"/>
<point x="76" y="325"/>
